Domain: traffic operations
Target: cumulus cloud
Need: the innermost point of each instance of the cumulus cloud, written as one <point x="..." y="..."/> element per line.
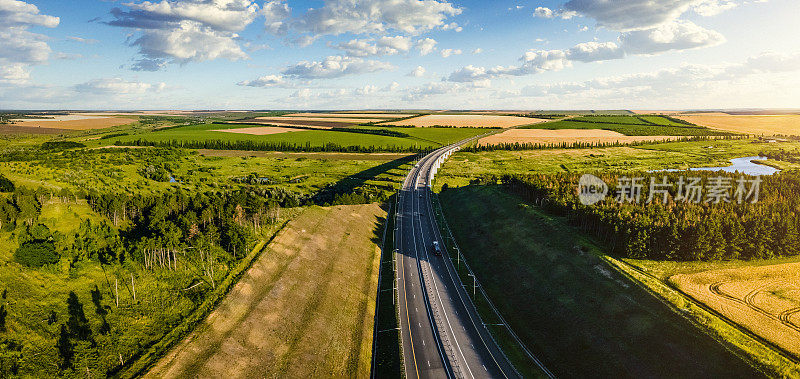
<point x="595" y="51"/>
<point x="533" y="62"/>
<point x="544" y="12"/>
<point x="334" y="67"/>
<point x="688" y="76"/>
<point x="426" y="46"/>
<point x="117" y="86"/>
<point x="632" y="15"/>
<point x="20" y="48"/>
<point x="189" y="30"/>
<point x="383" y="46"/>
<point x="714" y="7"/>
<point x="678" y="35"/>
<point x="373" y="16"/>
<point x="448" y="52"/>
<point x="441" y="88"/>
<point x="417" y="72"/>
<point x="275" y="15"/>
<point x="266" y="82"/>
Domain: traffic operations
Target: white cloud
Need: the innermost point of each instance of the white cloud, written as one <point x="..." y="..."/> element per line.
<point x="448" y="52"/>
<point x="677" y="35"/>
<point x="372" y="16"/>
<point x="395" y="44"/>
<point x="442" y="88"/>
<point x="14" y="13"/>
<point x="595" y="51"/>
<point x="417" y="72"/>
<point x="368" y="47"/>
<point x="19" y="48"/>
<point x="544" y="12"/>
<point x="714" y="7"/>
<point x="477" y="51"/>
<point x="189" y="30"/>
<point x="117" y="86"/>
<point x="668" y="82"/>
<point x="265" y="82"/>
<point x="275" y="15"/>
<point x="87" y="41"/>
<point x="631" y="15"/>
<point x="366" y="90"/>
<point x="533" y="62"/>
<point x="452" y="26"/>
<point x="14" y="73"/>
<point x="426" y="46"/>
<point x="334" y="67"/>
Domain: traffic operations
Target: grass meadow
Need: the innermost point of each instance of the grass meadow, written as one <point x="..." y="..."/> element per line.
<point x="305" y="308"/>
<point x="577" y="314"/>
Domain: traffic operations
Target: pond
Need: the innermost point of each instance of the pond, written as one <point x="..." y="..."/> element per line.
<point x="744" y="165"/>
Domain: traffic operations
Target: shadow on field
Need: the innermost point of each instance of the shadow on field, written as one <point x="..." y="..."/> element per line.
<point x="535" y="266"/>
<point x="352" y="182"/>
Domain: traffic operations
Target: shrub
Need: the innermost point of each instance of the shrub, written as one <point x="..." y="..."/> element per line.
<point x="61" y="145"/>
<point x="36" y="254"/>
<point x="6" y="185"/>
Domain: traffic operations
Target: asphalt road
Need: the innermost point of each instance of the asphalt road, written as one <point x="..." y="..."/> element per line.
<point x="441" y="333"/>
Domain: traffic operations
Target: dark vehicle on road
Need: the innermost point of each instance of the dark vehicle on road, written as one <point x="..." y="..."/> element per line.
<point x="436" y="249"/>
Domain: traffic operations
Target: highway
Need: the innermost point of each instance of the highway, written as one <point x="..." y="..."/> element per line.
<point x="442" y="335"/>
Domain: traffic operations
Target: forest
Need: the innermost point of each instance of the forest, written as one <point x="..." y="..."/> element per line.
<point x="712" y="226"/>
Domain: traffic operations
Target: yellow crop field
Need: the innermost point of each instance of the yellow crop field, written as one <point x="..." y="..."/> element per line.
<point x="750" y="124"/>
<point x="475" y="121"/>
<point x="763" y="299"/>
<point x="304" y="310"/>
<point x="546" y="136"/>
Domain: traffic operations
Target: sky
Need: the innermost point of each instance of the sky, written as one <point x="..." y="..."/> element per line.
<point x="399" y="54"/>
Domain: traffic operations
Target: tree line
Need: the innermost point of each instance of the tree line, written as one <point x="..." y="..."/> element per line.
<point x="517" y="146"/>
<point x="677" y="230"/>
<point x="274" y="146"/>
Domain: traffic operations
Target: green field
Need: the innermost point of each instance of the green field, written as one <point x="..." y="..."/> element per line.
<point x="463" y="167"/>
<point x="419" y="138"/>
<point x="574" y="312"/>
<point x="124" y="170"/>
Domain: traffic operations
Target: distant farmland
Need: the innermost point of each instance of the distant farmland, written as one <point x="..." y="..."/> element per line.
<point x="197" y="135"/>
<point x="758" y="125"/>
<point x="475" y="121"/>
<point x="544" y="136"/>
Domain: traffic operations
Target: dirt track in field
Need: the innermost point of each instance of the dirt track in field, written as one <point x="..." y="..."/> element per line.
<point x="304" y="310"/>
<point x="763" y="299"/>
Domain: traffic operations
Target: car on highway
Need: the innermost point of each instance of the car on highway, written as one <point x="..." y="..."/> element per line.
<point x="436" y="249"/>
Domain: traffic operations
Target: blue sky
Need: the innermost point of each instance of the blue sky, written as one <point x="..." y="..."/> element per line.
<point x="399" y="54"/>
